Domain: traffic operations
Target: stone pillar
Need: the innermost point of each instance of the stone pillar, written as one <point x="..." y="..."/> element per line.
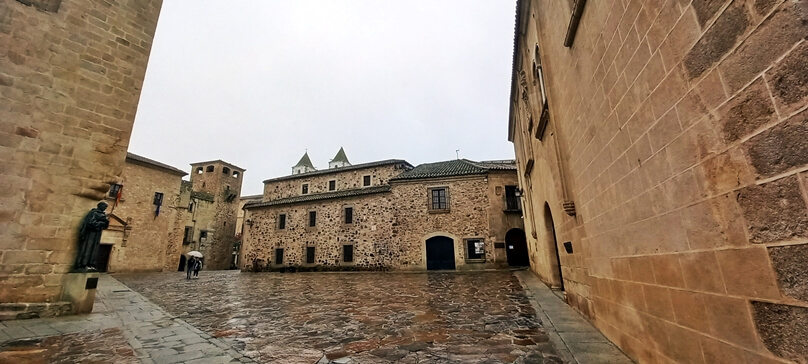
<point x="79" y="290"/>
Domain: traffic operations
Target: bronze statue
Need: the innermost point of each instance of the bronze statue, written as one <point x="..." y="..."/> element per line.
<point x="90" y="230"/>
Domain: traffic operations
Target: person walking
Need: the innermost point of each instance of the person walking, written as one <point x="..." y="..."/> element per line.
<point x="197" y="267"/>
<point x="189" y="266"/>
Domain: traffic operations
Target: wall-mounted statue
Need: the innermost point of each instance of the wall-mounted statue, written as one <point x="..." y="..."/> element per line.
<point x="90" y="230"/>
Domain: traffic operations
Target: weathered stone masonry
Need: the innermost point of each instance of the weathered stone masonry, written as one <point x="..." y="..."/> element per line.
<point x="678" y="131"/>
<point x="70" y="80"/>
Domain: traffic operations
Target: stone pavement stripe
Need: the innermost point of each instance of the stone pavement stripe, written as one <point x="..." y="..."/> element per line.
<point x="575" y="338"/>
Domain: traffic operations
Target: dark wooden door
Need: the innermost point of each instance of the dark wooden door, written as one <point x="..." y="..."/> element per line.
<point x="440" y="253"/>
<point x="102" y="257"/>
<point x="516" y="248"/>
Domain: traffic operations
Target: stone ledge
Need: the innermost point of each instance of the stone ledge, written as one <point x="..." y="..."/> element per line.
<point x="21" y="311"/>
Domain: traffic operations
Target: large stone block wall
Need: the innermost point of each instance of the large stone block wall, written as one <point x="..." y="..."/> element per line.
<point x="680" y="129"/>
<point x="145" y="249"/>
<point x="346" y="180"/>
<point x="70" y="80"/>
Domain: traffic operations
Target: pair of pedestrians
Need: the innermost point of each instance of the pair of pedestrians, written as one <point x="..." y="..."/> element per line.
<point x="194" y="264"/>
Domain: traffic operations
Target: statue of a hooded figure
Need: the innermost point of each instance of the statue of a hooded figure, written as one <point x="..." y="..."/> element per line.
<point x="92" y="225"/>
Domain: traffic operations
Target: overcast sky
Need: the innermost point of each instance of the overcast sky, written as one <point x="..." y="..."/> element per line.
<point x="256" y="83"/>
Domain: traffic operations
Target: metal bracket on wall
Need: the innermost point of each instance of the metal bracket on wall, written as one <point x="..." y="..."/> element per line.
<point x="569" y="207"/>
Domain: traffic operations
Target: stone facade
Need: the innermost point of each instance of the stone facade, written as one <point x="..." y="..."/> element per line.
<point x="138" y="235"/>
<point x="391" y="219"/>
<point x="671" y="156"/>
<point x="70" y="79"/>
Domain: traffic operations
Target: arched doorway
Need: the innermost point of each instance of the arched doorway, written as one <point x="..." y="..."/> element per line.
<point x="440" y="253"/>
<point x="516" y="248"/>
<point x="552" y="245"/>
<point x="182" y="264"/>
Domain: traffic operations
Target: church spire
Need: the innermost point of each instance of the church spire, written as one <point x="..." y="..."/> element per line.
<point x="304" y="165"/>
<point x="340" y="160"/>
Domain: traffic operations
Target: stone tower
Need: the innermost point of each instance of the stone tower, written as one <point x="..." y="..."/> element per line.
<point x="340" y="160"/>
<point x="216" y="188"/>
<point x="304" y="165"/>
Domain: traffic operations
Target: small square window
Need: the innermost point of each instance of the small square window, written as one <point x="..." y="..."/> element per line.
<point x="349" y="215"/>
<point x="115" y="190"/>
<point x="475" y="249"/>
<point x="203" y="234"/>
<point x="305" y="189"/>
<point x="309" y="255"/>
<point x="347" y="253"/>
<point x="312" y="218"/>
<point x="158" y="198"/>
<point x="439" y="199"/>
<point x="279" y="256"/>
<point x="366" y="181"/>
<point x="281" y="221"/>
<point x="332" y="185"/>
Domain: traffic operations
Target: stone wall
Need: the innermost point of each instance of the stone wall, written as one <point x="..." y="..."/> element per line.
<point x="500" y="221"/>
<point x="345" y="180"/>
<point x="70" y="80"/>
<point x="677" y="129"/>
<point x="145" y="248"/>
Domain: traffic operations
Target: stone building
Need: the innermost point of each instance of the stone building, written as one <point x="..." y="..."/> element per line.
<point x="143" y="210"/>
<point x="661" y="150"/>
<point x="386" y="215"/>
<point x="70" y="79"/>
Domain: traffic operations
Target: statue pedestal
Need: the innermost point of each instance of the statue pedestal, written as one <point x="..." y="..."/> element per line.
<point x="79" y="290"/>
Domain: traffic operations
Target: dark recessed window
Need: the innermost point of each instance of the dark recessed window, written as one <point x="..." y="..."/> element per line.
<point x="512" y="202"/>
<point x="349" y="215"/>
<point x="203" y="234"/>
<point x="310" y="254"/>
<point x="209" y="169"/>
<point x="158" y="198"/>
<point x="282" y="221"/>
<point x="114" y="190"/>
<point x="188" y="237"/>
<point x="312" y="218"/>
<point x="279" y="256"/>
<point x="475" y="249"/>
<point x="226" y="171"/>
<point x="305" y="188"/>
<point x="439" y="198"/>
<point x="366" y="181"/>
<point x="332" y="185"/>
<point x="347" y="253"/>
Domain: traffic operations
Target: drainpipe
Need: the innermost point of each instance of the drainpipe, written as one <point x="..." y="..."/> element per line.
<point x="577" y="10"/>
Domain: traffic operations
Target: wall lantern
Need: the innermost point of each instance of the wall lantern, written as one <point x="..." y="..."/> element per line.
<point x="517" y="192"/>
<point x="248" y="222"/>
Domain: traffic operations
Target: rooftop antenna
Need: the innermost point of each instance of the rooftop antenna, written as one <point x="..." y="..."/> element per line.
<point x="457" y="152"/>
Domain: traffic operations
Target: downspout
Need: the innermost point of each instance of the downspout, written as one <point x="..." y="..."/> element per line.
<point x="577" y="11"/>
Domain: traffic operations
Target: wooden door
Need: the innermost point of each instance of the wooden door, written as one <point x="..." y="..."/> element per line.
<point x="440" y="253"/>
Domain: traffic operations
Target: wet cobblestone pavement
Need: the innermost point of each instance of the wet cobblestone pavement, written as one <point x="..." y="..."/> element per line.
<point x="101" y="347"/>
<point x="360" y="318"/>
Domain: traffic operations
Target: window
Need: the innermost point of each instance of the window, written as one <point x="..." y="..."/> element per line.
<point x="538" y="76"/>
<point x="305" y="188"/>
<point x="439" y="198"/>
<point x="114" y="190"/>
<point x="203" y="234"/>
<point x="309" y="255"/>
<point x="209" y="169"/>
<point x="332" y="185"/>
<point x="279" y="256"/>
<point x="158" y="198"/>
<point x="199" y="170"/>
<point x="226" y="170"/>
<point x="235" y="174"/>
<point x="349" y="215"/>
<point x="347" y="253"/>
<point x="366" y="181"/>
<point x="188" y="237"/>
<point x="281" y="221"/>
<point x="312" y="218"/>
<point x="475" y="249"/>
<point x="512" y="202"/>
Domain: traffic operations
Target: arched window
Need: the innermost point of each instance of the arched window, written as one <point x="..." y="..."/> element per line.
<point x="235" y="174"/>
<point x="209" y="169"/>
<point x="226" y="171"/>
<point x="199" y="170"/>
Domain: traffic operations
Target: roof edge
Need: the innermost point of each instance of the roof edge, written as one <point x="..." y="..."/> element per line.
<point x="151" y="163"/>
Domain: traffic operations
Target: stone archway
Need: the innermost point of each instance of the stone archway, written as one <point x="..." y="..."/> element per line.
<point x="440" y="253"/>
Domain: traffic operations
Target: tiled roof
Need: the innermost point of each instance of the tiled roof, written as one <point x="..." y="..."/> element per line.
<point x="251" y="197"/>
<point x="507" y="164"/>
<point x="231" y="165"/>
<point x="320" y="196"/>
<point x="457" y="167"/>
<point x="136" y="159"/>
<point x="337" y="170"/>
